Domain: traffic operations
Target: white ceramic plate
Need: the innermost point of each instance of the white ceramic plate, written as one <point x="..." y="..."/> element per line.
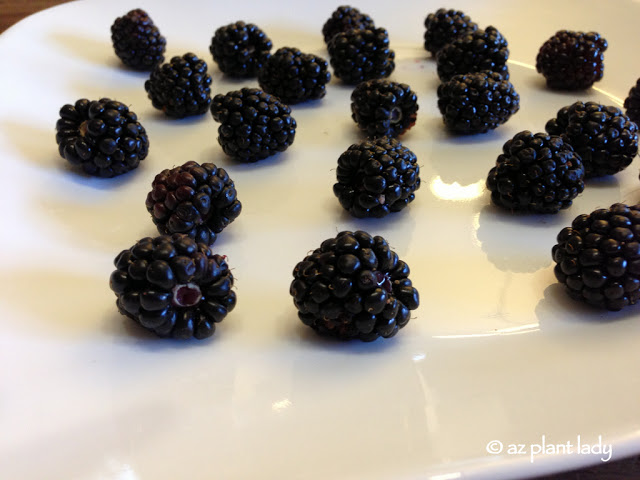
<point x="496" y="350"/>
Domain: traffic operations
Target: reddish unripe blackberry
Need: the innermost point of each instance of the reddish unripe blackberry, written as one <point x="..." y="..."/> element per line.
<point x="598" y="257"/>
<point x="173" y="286"/>
<point x="354" y="287"/>
<point x="443" y="26"/>
<point x="240" y="49"/>
<point x="137" y="41"/>
<point x="632" y="103"/>
<point x="343" y="19"/>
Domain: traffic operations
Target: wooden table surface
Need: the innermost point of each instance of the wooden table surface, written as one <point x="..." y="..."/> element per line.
<point x="12" y="11"/>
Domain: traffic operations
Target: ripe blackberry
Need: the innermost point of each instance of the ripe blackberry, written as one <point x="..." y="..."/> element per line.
<point x="604" y="137"/>
<point x="572" y="60"/>
<point x="359" y="55"/>
<point x="102" y="136"/>
<point x="443" y="26"/>
<point x="376" y="178"/>
<point x="293" y="76"/>
<point x="173" y="286"/>
<point x="343" y="19"/>
<point x="197" y="200"/>
<point x="477" y="102"/>
<point x="240" y="49"/>
<point x="538" y="173"/>
<point x="137" y="41"/>
<point x="383" y="108"/>
<point x="254" y="124"/>
<point x="632" y="103"/>
<point x="474" y="51"/>
<point x="598" y="257"/>
<point x="354" y="286"/>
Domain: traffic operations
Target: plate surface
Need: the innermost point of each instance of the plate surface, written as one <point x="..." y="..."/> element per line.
<point x="496" y="350"/>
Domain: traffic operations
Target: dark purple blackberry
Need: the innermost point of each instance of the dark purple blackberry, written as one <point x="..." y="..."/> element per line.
<point x="383" y="108"/>
<point x="539" y="173"/>
<point x="598" y="257"/>
<point x="293" y="76"/>
<point x="477" y="102"/>
<point x="173" y="286"/>
<point x="376" y="177"/>
<point x="240" y="49"/>
<point x="354" y="286"/>
<point x="359" y="55"/>
<point x="197" y="200"/>
<point x="180" y="88"/>
<point x="343" y="19"/>
<point x="604" y="137"/>
<point x="474" y="51"/>
<point x="137" y="41"/>
<point x="632" y="103"/>
<point x="572" y="60"/>
<point x="444" y="26"/>
<point x="103" y="137"/>
<point x="254" y="124"/>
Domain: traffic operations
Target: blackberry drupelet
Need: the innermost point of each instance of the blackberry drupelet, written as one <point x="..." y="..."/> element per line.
<point x="604" y="137"/>
<point x="137" y="41"/>
<point x="293" y="76"/>
<point x="598" y="257"/>
<point x="197" y="200"/>
<point x="383" y="108"/>
<point x="359" y="55"/>
<point x="103" y="137"/>
<point x="354" y="287"/>
<point x="477" y="102"/>
<point x="240" y="49"/>
<point x="254" y="124"/>
<point x="572" y="60"/>
<point x="173" y="286"/>
<point x="474" y="51"/>
<point x="539" y="173"/>
<point x="181" y="87"/>
<point x="376" y="178"/>
<point x="343" y="19"/>
<point x="632" y="103"/>
<point x="443" y="26"/>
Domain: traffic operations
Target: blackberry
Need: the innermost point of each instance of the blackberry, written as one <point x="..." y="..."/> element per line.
<point x="102" y="136"/>
<point x="240" y="49"/>
<point x="181" y="87"/>
<point x="474" y="51"/>
<point x="632" y="103"/>
<point x="572" y="60"/>
<point x="376" y="178"/>
<point x="254" y="124"/>
<point x="359" y="55"/>
<point x="384" y="108"/>
<point x="343" y="19"/>
<point x="598" y="257"/>
<point x="173" y="286"/>
<point x="354" y="286"/>
<point x="604" y="137"/>
<point x="444" y="26"/>
<point x="538" y="172"/>
<point x="477" y="102"/>
<point x="197" y="200"/>
<point x="137" y="41"/>
<point x="293" y="76"/>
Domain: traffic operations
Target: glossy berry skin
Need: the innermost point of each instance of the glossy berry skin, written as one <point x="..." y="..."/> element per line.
<point x="240" y="49"/>
<point x="443" y="26"/>
<point x="572" y="60"/>
<point x="377" y="177"/>
<point x="354" y="287"/>
<point x="632" y="103"/>
<point x="253" y="124"/>
<point x="180" y="88"/>
<point x="293" y="76"/>
<point x="343" y="19"/>
<point x="382" y="108"/>
<point x="604" y="137"/>
<point x="598" y="257"/>
<point x="477" y="102"/>
<point x="102" y="137"/>
<point x="137" y="41"/>
<point x="537" y="173"/>
<point x="197" y="200"/>
<point x="173" y="286"/>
